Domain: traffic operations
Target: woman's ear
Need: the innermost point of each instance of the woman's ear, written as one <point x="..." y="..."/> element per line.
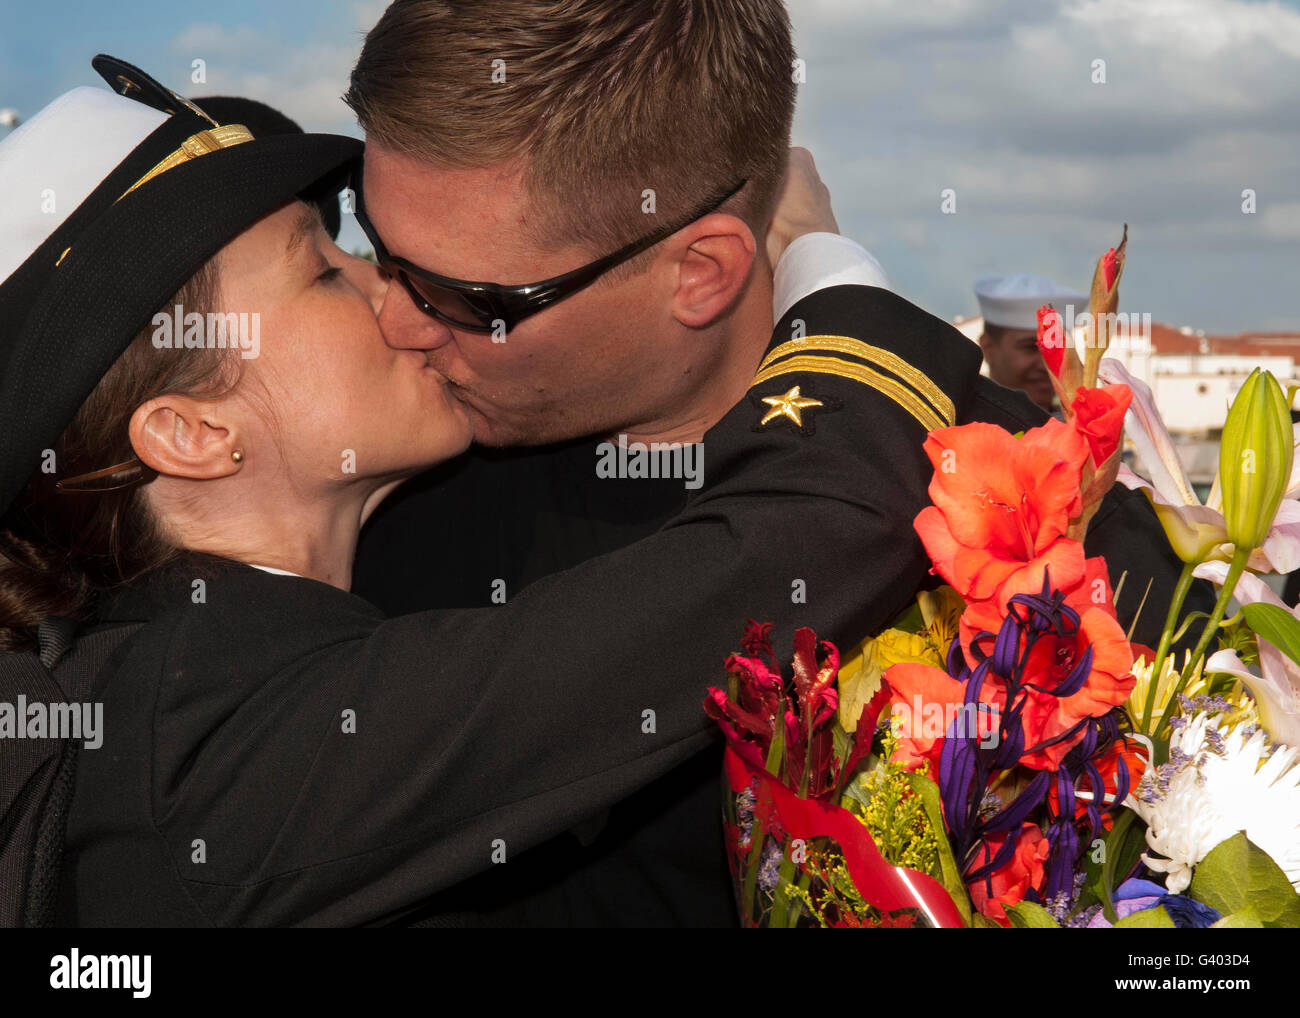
<point x="180" y="436"/>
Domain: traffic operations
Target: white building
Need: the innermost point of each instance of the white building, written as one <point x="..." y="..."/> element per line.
<point x="1192" y="376"/>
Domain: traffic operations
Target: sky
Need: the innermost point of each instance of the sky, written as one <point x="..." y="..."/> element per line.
<point x="994" y="100"/>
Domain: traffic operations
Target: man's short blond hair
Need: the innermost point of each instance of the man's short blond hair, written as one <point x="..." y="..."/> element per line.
<point x="598" y="101"/>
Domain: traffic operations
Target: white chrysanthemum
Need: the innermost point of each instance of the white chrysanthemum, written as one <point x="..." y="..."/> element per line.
<point x="1219" y="780"/>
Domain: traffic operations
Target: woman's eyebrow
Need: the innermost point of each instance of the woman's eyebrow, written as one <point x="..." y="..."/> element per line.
<point x="309" y="220"/>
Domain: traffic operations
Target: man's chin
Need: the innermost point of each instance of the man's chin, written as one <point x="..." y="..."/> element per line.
<point x="495" y="428"/>
<point x="1043" y="397"/>
<point x="499" y="433"/>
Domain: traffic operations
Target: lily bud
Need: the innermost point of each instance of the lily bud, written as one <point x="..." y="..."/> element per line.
<point x="1255" y="459"/>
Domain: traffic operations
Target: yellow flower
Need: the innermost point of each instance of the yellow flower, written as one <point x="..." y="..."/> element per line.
<point x="861" y="669"/>
<point x="941" y="611"/>
<point x="1243" y="705"/>
<point x="859" y="677"/>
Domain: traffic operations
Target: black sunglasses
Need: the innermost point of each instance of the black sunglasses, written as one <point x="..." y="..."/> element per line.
<point x="484" y="307"/>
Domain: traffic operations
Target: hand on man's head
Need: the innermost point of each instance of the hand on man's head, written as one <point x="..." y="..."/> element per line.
<point x="804" y="205"/>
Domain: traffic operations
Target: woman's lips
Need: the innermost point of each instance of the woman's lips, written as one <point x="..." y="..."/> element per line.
<point x="421" y="360"/>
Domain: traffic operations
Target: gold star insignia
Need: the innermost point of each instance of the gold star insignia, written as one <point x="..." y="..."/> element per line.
<point x="790" y="405"/>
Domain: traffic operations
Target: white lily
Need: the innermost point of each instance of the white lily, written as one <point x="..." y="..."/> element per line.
<point x="1277" y="689"/>
<point x="1197" y="531"/>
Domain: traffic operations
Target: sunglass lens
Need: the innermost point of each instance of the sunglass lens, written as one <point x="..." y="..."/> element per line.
<point x="450" y="305"/>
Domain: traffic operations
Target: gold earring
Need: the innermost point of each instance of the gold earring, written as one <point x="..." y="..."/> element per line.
<point x="237" y="456"/>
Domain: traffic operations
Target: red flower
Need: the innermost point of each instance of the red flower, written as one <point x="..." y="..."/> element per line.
<point x="1002" y="507"/>
<point x="1099" y="415"/>
<point x="760" y="696"/>
<point x="809" y="735"/>
<point x="749" y="721"/>
<point x="1021" y="873"/>
<point x="1110" y="267"/>
<point x="1051" y="338"/>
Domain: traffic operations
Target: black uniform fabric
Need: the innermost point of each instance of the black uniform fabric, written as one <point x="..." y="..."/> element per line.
<point x="230" y="790"/>
<point x="656" y="859"/>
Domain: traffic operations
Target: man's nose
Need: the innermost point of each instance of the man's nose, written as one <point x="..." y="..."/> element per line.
<point x="404" y="326"/>
<point x="370" y="279"/>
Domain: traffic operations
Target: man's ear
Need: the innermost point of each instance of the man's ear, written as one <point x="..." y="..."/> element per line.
<point x="184" y="437"/>
<point x="712" y="268"/>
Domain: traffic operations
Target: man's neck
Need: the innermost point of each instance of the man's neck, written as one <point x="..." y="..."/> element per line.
<point x="748" y="332"/>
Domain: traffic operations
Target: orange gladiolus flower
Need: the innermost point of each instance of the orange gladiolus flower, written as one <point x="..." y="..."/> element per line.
<point x="1002" y="507"/>
<point x="1099" y="414"/>
<point x="924" y="701"/>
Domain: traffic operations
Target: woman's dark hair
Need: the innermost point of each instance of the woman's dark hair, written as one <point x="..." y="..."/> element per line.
<point x="60" y="550"/>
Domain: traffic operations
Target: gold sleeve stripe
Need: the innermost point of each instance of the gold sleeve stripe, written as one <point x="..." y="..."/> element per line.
<point x="891" y="362"/>
<point x="890" y="387"/>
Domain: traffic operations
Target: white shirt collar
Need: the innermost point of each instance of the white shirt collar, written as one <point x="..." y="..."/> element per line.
<point x="277" y="572"/>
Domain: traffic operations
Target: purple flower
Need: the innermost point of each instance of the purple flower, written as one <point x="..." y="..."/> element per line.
<point x="769" y="869"/>
<point x="1136" y="895"/>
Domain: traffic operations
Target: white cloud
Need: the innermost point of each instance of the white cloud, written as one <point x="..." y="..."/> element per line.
<point x="304" y="78"/>
<point x="996" y="100"/>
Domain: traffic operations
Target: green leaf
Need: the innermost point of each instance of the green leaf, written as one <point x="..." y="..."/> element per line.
<point x="1029" y="916"/>
<point x="928" y="792"/>
<point x="1277" y="625"/>
<point x="841" y="740"/>
<point x="1148" y="919"/>
<point x="1124" y="844"/>
<point x="1243" y="919"/>
<point x="908" y="619"/>
<point x="1237" y="875"/>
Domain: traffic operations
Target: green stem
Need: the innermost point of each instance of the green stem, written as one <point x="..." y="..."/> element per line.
<point x="796" y="904"/>
<point x="775" y="755"/>
<point x="1117" y="835"/>
<point x="1238" y="566"/>
<point x="1166" y="638"/>
<point x="781" y="898"/>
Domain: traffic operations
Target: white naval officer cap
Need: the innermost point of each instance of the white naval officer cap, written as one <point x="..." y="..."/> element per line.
<point x="1013" y="301"/>
<point x="57" y="158"/>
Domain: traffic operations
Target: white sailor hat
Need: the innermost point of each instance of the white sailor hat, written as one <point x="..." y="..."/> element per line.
<point x="1013" y="301"/>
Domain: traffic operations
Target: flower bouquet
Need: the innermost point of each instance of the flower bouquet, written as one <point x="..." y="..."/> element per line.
<point x="1004" y="754"/>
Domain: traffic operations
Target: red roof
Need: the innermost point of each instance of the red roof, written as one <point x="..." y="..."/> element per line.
<point x="1168" y="340"/>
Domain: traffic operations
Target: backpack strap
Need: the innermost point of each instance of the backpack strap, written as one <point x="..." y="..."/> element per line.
<point x="36" y="794"/>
